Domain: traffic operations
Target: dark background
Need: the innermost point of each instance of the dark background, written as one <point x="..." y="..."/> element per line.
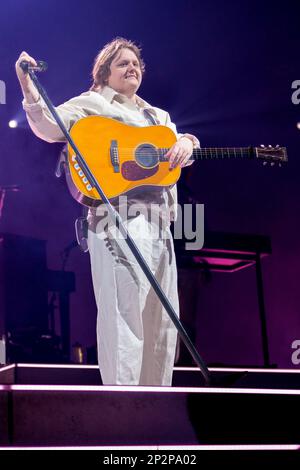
<point x="224" y="71"/>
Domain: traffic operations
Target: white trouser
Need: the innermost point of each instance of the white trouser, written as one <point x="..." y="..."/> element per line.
<point x="136" y="338"/>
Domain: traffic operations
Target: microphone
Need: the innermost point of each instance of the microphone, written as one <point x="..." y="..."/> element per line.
<point x="40" y="67"/>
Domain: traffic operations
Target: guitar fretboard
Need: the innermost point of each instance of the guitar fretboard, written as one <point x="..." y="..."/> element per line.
<point x="214" y="153"/>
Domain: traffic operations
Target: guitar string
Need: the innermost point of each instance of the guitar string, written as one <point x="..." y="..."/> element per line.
<point x="207" y="153"/>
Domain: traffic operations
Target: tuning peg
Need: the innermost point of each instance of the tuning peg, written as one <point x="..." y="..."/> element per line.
<point x="277" y="146"/>
<point x="270" y="146"/>
<point x="265" y="163"/>
<point x="273" y="163"/>
<point x="262" y="146"/>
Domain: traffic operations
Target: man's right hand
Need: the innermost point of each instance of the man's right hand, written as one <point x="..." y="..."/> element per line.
<point x="29" y="91"/>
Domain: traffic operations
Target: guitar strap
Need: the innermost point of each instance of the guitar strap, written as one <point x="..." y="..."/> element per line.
<point x="81" y="223"/>
<point x="150" y="118"/>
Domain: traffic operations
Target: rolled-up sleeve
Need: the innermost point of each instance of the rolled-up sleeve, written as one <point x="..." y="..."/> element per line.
<point x="43" y="124"/>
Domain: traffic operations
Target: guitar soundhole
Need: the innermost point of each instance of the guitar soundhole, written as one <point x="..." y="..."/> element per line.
<point x="146" y="156"/>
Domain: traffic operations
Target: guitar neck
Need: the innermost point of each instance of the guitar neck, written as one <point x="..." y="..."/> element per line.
<point x="222" y="152"/>
<point x="216" y="153"/>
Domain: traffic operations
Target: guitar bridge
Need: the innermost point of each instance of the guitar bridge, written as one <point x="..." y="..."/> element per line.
<point x="114" y="156"/>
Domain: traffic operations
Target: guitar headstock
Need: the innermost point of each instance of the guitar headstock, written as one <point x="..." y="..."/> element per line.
<point x="271" y="154"/>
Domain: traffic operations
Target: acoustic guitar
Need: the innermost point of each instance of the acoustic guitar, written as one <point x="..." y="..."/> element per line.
<point x="127" y="158"/>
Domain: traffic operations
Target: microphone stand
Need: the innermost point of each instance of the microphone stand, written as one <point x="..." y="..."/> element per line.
<point x="118" y="221"/>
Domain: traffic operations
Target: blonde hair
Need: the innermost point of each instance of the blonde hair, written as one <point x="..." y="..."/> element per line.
<point x="101" y="69"/>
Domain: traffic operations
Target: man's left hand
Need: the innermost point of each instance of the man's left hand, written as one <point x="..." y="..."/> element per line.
<point x="180" y="153"/>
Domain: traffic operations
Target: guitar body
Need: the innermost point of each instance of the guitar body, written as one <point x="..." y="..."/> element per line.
<point x="127" y="159"/>
<point x="122" y="158"/>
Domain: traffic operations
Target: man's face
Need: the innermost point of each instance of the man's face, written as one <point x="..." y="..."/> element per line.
<point x="125" y="73"/>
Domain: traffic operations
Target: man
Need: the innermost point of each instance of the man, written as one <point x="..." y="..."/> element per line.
<point x="136" y="338"/>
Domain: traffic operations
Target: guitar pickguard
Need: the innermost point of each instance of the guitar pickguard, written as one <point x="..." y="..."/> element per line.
<point x="131" y="171"/>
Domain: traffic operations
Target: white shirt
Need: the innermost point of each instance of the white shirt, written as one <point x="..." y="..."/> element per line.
<point x="109" y="103"/>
